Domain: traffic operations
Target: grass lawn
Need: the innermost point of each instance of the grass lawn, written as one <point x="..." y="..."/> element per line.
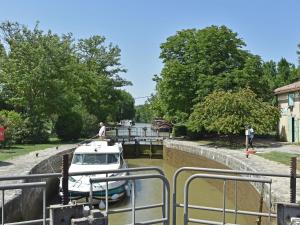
<point x="280" y="157"/>
<point x="17" y="150"/>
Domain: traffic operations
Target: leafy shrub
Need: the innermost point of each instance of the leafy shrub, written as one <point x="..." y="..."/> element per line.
<point x="89" y="122"/>
<point x="179" y="130"/>
<point x="229" y="112"/>
<point x="69" y="126"/>
<point x="37" y="129"/>
<point x="14" y="127"/>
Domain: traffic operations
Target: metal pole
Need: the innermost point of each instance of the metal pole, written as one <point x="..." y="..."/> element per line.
<point x="164" y="201"/>
<point x="3" y="207"/>
<point x="133" y="202"/>
<point x="261" y="202"/>
<point x="224" y="202"/>
<point x="186" y="203"/>
<point x="91" y="194"/>
<point x="235" y="201"/>
<point x="270" y="203"/>
<point x="106" y="196"/>
<point x="44" y="206"/>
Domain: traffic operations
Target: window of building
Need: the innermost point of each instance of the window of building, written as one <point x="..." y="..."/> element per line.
<point x="291" y="98"/>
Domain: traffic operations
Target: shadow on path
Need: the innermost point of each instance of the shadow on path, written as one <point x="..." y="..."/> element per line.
<point x="5" y="163"/>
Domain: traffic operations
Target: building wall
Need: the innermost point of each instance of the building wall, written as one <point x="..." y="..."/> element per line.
<point x="289" y="115"/>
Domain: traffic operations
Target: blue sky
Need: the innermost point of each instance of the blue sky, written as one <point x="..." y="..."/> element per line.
<point x="270" y="28"/>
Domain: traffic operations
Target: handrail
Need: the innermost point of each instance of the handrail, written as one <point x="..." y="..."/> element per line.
<point x="212" y="170"/>
<point x="166" y="197"/>
<point x="225" y="179"/>
<point x="22" y="186"/>
<point x="51" y="175"/>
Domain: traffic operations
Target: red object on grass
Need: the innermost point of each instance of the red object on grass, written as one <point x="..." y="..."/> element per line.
<point x="2" y="137"/>
<point x="252" y="151"/>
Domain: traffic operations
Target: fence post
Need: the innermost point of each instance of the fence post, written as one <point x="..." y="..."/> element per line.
<point x="293" y="180"/>
<point x="65" y="178"/>
<point x="129" y="133"/>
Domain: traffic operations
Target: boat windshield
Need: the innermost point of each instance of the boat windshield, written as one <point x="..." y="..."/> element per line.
<point x="95" y="159"/>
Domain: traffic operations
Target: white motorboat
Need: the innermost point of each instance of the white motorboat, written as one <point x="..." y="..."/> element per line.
<point x="95" y="156"/>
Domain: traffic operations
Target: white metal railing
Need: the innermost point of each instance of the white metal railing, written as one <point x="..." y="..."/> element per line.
<point x="176" y="205"/>
<point x="42" y="185"/>
<point x="186" y="205"/>
<point x="165" y="205"/>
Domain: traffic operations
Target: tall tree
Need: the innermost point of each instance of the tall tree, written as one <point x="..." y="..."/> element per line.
<point x="197" y="62"/>
<point x="99" y="92"/>
<point x="44" y="75"/>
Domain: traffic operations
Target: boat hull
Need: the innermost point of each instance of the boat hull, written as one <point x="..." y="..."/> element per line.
<point x="116" y="191"/>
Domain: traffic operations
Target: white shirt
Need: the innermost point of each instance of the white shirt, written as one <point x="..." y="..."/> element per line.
<point x="102" y="131"/>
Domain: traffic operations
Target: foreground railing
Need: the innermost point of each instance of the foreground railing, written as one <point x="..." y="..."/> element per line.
<point x="186" y="205"/>
<point x="165" y="199"/>
<point x="176" y="205"/>
<point x="42" y="185"/>
<point x="165" y="205"/>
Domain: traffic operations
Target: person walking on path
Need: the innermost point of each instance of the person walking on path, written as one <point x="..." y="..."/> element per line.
<point x="102" y="130"/>
<point x="250" y="137"/>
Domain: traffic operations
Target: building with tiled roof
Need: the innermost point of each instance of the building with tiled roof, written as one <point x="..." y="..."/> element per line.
<point x="288" y="98"/>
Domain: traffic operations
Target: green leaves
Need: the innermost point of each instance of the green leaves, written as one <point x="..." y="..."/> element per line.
<point x="44" y="75"/>
<point x="229" y="112"/>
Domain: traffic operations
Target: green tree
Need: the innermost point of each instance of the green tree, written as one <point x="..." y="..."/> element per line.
<point x="68" y="126"/>
<point x="124" y="106"/>
<point x="197" y="62"/>
<point x="44" y="75"/>
<point x="286" y="73"/>
<point x="143" y="113"/>
<point x="37" y="73"/>
<point x="229" y="112"/>
<point x="100" y="83"/>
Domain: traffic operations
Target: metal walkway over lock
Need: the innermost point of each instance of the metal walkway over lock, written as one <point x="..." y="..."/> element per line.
<point x="142" y="135"/>
<point x="165" y="206"/>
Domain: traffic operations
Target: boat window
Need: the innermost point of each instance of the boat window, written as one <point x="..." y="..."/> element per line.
<point x="95" y="159"/>
<point x="112" y="158"/>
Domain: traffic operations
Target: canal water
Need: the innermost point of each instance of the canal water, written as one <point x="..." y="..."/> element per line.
<point x="202" y="192"/>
